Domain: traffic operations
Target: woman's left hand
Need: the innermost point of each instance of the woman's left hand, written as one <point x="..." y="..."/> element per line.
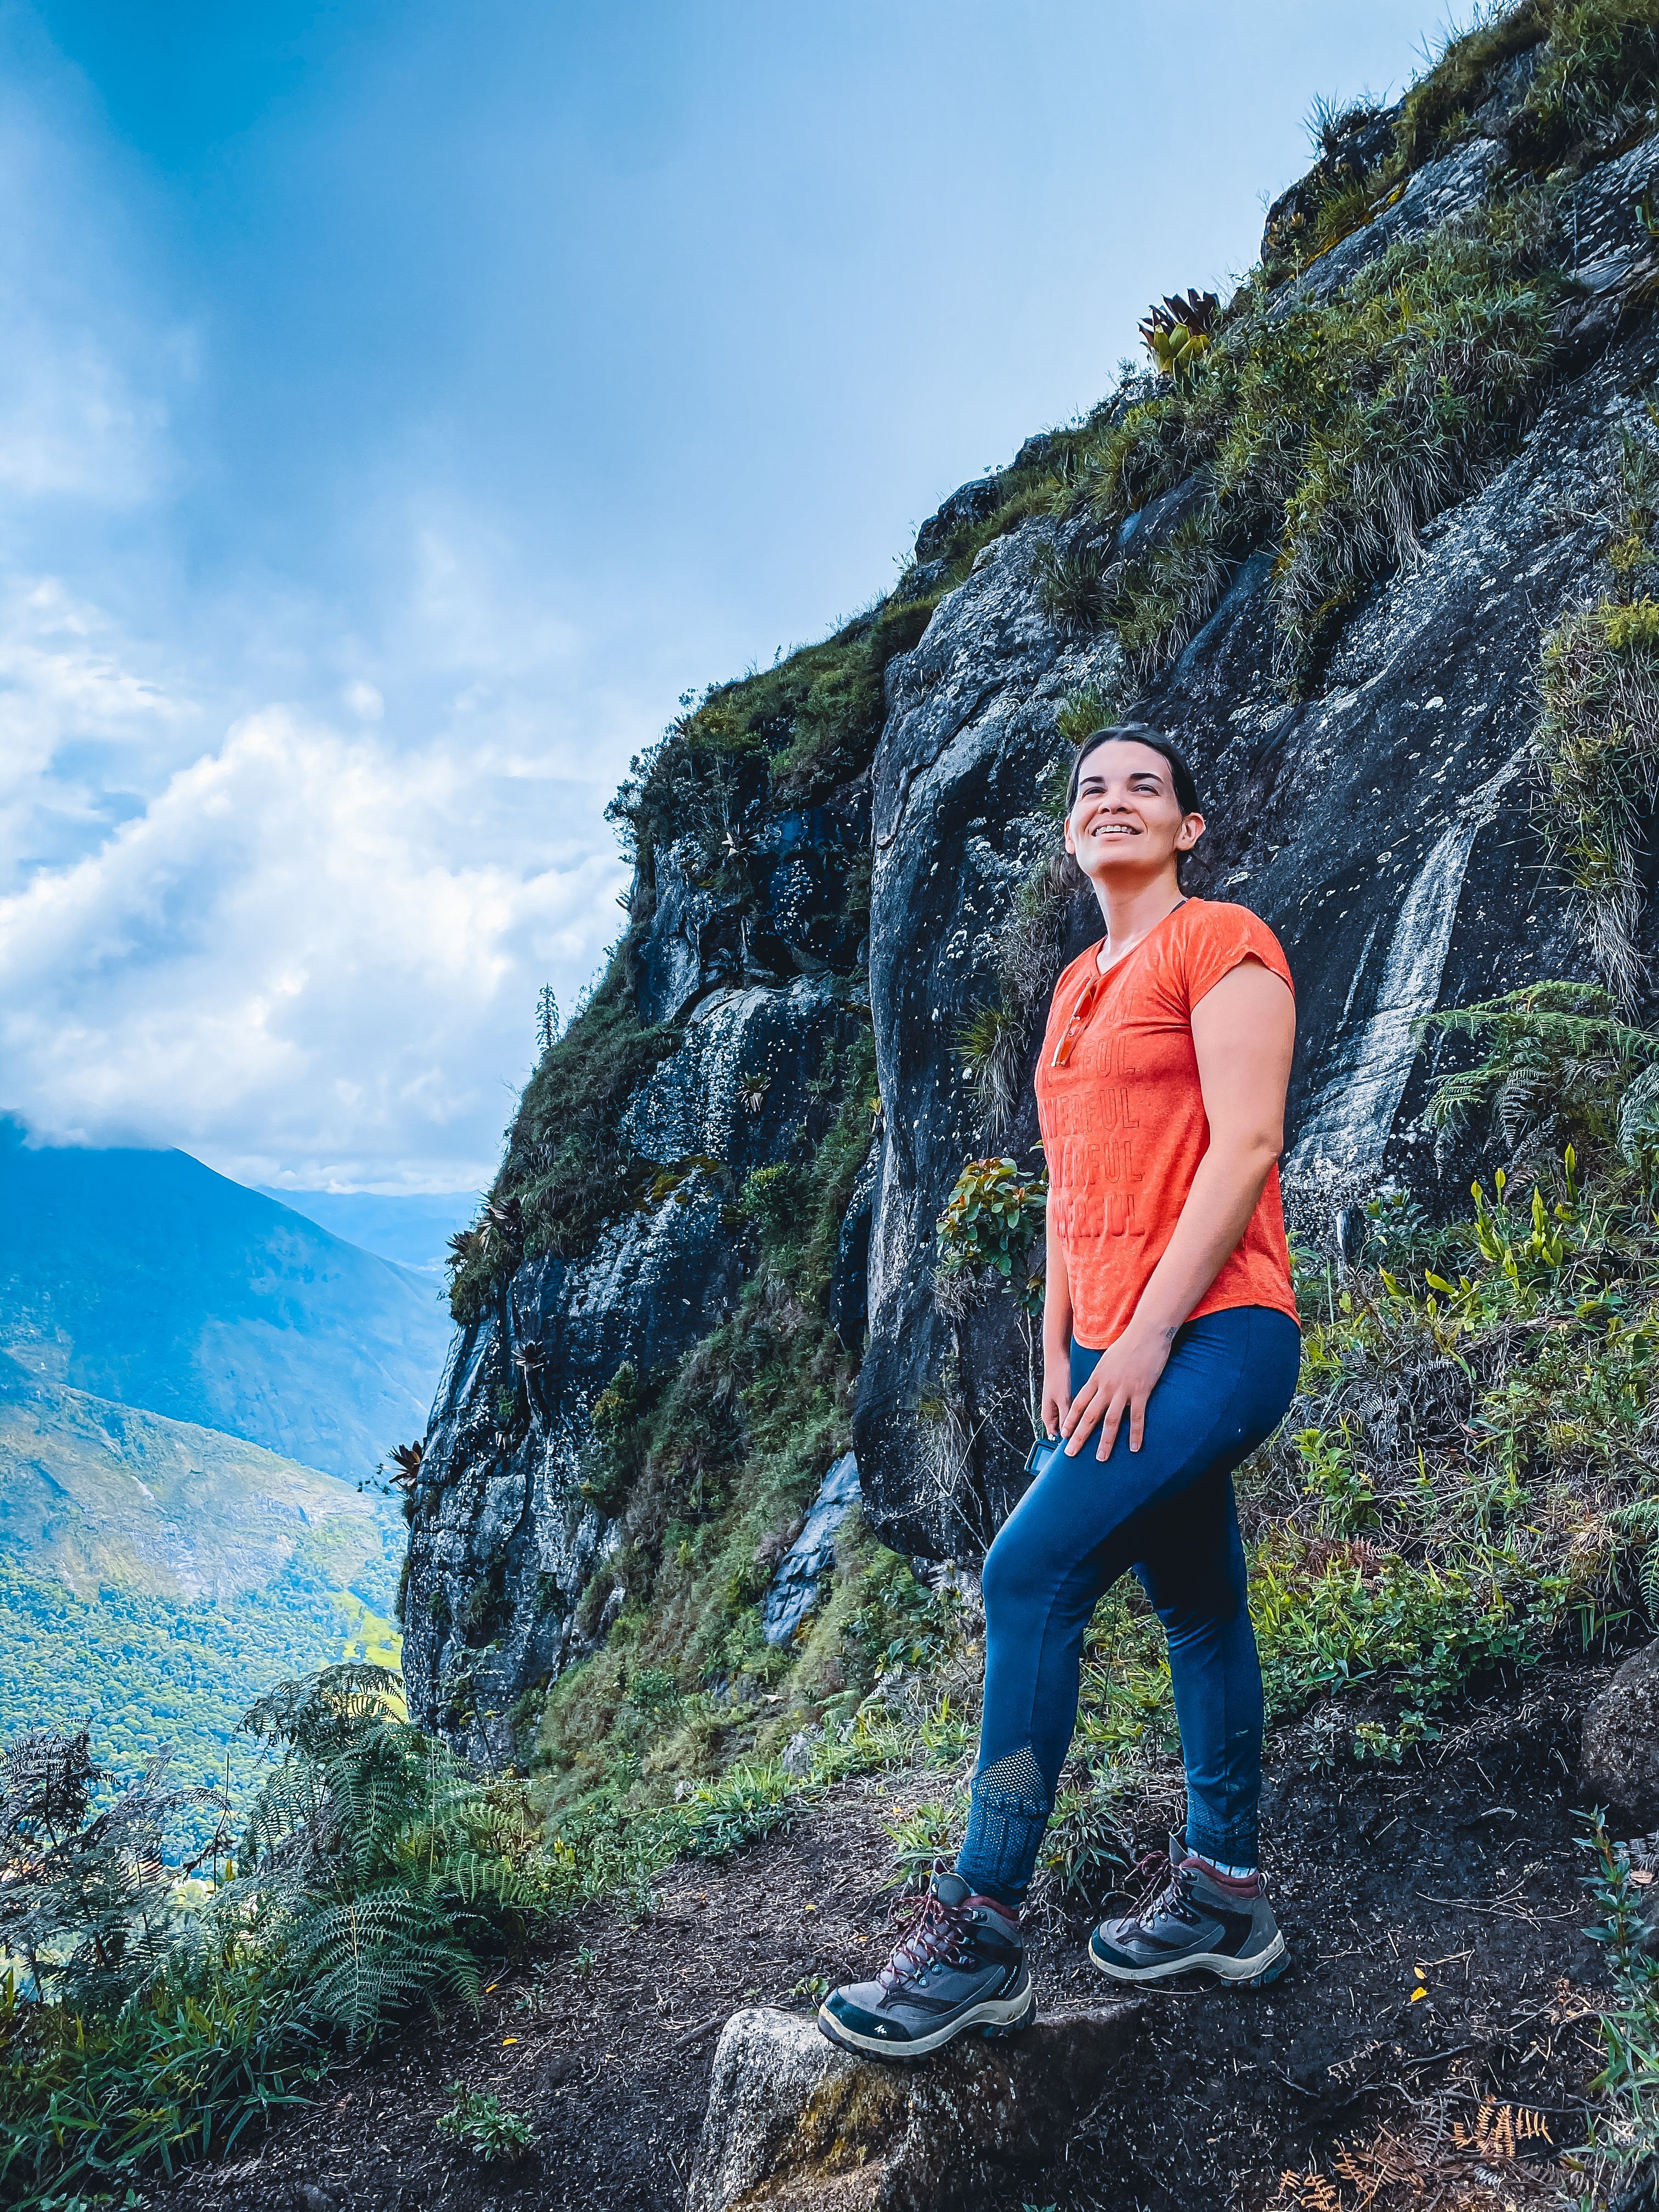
<point x="1122" y="1381"/>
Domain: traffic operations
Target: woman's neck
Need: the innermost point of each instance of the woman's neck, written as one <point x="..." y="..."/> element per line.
<point x="1132" y="913"/>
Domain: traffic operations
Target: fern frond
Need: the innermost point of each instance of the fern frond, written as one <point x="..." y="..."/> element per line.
<point x="1648" y="1582"/>
<point x="371" y="1955"/>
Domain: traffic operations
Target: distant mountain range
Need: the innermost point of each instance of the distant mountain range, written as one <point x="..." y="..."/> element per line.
<point x="96" y="1493"/>
<point x="415" y="1232"/>
<point x="144" y="1277"/>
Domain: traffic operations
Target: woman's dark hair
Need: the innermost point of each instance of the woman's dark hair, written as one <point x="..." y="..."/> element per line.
<point x="1139" y="733"/>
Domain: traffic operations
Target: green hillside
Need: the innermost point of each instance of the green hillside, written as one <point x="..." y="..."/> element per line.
<point x="145" y="1278"/>
<point x="155" y="1576"/>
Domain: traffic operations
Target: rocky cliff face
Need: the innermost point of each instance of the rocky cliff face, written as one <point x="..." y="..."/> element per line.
<point x="1378" y="805"/>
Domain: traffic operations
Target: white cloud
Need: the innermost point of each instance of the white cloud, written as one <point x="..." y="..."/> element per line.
<point x="78" y="715"/>
<point x="364" y="701"/>
<point x="309" y="951"/>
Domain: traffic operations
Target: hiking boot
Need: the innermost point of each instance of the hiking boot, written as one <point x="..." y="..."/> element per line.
<point x="959" y="1967"/>
<point x="1191" y="1917"/>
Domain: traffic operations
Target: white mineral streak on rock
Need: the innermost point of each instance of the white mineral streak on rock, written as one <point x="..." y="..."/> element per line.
<point x="638" y="1252"/>
<point x="892" y="1232"/>
<point x="1345" y="1132"/>
<point x="794" y="2122"/>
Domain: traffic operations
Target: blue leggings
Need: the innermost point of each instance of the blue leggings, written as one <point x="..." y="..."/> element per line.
<point x="1166" y="1511"/>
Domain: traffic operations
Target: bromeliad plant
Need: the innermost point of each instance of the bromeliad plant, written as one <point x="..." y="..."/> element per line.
<point x="1178" y="335"/>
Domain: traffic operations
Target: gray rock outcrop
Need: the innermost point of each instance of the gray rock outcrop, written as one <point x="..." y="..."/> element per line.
<point x="793" y="2122"/>
<point x="793" y="1590"/>
<point x="506" y="1540"/>
<point x="1385" y="828"/>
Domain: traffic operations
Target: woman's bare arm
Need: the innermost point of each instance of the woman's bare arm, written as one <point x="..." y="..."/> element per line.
<point x="1244" y="1034"/>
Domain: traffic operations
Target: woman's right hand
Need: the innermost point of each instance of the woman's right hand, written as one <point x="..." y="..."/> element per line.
<point x="1056" y="1390"/>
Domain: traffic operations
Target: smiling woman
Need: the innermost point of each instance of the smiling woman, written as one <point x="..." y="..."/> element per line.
<point x="1170" y="1326"/>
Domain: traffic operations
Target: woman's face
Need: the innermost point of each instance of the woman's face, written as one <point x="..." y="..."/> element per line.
<point x="1126" y="824"/>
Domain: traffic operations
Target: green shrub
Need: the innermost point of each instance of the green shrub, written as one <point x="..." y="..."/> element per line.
<point x="743" y="1806"/>
<point x="777" y="1199"/>
<point x="1634" y="628"/>
<point x="1462" y="79"/>
<point x="372" y="1863"/>
<point x="1624" y="2135"/>
<point x="89" y="2100"/>
<point x="566" y="1169"/>
<point x="486" y="2126"/>
<point x="1596" y="76"/>
<point x="1597" y="734"/>
<point x="617" y="1415"/>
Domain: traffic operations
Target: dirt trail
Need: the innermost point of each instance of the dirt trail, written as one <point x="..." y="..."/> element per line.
<point x="1459" y="1877"/>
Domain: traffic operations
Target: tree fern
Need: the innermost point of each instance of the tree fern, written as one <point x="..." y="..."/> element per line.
<point x="375" y="1859"/>
<point x="369" y="1954"/>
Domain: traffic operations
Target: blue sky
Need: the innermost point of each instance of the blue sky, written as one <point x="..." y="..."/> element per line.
<point x="404" y="404"/>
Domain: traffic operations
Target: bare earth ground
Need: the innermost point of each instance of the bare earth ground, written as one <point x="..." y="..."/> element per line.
<point x="1461" y="1877"/>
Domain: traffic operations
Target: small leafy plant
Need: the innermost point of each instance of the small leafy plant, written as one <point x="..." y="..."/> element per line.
<point x="486" y="2126"/>
<point x="1627" y="2134"/>
<point x="990" y="1220"/>
<point x="739" y="1808"/>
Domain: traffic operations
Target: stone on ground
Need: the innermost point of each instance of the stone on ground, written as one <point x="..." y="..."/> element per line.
<point x="1620" y="1764"/>
<point x="792" y="2122"/>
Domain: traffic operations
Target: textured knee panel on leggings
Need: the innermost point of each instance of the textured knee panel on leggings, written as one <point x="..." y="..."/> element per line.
<point x="1007" y="1813"/>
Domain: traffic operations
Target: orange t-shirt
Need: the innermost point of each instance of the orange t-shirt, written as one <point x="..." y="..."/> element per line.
<point x="1123" y="1121"/>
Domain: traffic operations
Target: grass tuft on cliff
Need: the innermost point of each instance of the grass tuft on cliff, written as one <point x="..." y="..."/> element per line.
<point x="568" y="1168"/>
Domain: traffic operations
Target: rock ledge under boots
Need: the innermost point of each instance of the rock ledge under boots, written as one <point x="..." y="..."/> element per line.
<point x="793" y="2122"/>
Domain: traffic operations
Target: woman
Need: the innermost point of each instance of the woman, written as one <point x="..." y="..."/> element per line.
<point x="1170" y="1352"/>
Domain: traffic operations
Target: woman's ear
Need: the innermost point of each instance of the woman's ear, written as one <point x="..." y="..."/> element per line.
<point x="1065" y="836"/>
<point x="1191" y="830"/>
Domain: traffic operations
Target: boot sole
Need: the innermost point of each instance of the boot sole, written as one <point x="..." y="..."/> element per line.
<point x="996" y="2017"/>
<point x="1254" y="1973"/>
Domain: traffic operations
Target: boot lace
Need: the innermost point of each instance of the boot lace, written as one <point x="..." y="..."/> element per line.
<point x="936" y="1933"/>
<point x="1163" y="1888"/>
